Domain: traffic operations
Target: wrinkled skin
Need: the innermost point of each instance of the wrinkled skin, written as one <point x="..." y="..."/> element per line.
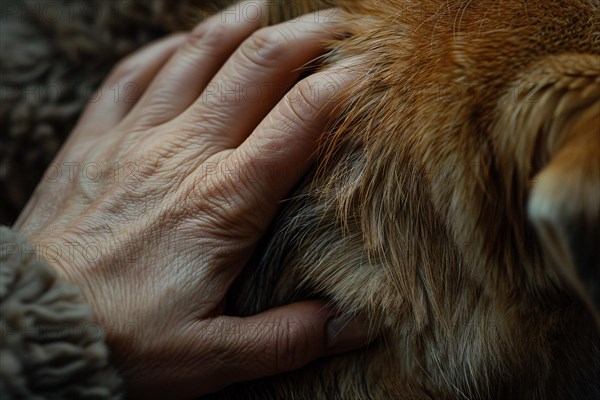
<point x="156" y="201"/>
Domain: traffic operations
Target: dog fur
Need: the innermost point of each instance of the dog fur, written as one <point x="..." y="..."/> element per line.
<point x="455" y="202"/>
<point x="455" y="199"/>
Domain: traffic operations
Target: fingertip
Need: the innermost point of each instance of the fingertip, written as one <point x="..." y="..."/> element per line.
<point x="334" y="332"/>
<point x="289" y="337"/>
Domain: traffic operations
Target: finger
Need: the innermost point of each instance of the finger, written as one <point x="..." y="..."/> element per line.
<point x="289" y="337"/>
<point x="258" y="74"/>
<point x="124" y="86"/>
<point x="116" y="96"/>
<point x="209" y="355"/>
<point x="188" y="72"/>
<point x="279" y="152"/>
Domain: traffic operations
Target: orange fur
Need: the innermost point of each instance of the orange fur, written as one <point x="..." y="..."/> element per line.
<point x="455" y="202"/>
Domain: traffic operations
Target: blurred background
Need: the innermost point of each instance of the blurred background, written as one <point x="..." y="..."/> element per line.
<point x="53" y="56"/>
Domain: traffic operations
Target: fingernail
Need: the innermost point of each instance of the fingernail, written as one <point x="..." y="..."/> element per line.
<point x="344" y="333"/>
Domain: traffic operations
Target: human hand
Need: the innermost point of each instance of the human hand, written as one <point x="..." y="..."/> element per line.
<point x="155" y="203"/>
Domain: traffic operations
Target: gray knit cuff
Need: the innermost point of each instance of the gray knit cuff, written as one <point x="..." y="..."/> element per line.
<point x="50" y="347"/>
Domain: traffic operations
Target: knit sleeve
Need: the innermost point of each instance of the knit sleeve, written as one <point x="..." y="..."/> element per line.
<point x="50" y="347"/>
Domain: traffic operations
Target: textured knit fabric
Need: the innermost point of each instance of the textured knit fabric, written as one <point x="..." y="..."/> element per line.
<point x="50" y="347"/>
<point x="53" y="56"/>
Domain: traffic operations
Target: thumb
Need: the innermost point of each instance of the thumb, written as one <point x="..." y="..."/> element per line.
<point x="291" y="336"/>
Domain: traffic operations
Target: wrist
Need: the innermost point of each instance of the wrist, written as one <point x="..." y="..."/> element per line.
<point x="59" y="254"/>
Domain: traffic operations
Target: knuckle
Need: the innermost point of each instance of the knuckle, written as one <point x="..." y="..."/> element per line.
<point x="265" y="46"/>
<point x="216" y="199"/>
<point x="220" y="185"/>
<point x="223" y="341"/>
<point x="207" y="35"/>
<point x="302" y="101"/>
<point x="291" y="344"/>
<point x="220" y="196"/>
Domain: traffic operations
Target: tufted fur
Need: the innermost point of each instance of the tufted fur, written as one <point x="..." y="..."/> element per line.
<point x="475" y="123"/>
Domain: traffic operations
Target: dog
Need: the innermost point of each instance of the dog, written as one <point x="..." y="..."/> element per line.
<point x="455" y="201"/>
